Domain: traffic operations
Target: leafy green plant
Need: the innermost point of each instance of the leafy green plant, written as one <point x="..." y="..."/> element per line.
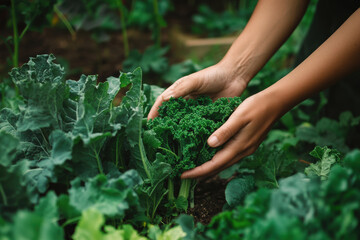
<point x="326" y="159"/>
<point x="301" y="208"/>
<point x="176" y="71"/>
<point x="213" y="24"/>
<point x="152" y="60"/>
<point x="180" y="133"/>
<point x="329" y="132"/>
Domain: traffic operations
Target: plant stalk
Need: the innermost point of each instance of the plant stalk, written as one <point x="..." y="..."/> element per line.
<point x="157" y="23"/>
<point x="167" y="150"/>
<point x="185" y="188"/>
<point x="71" y="221"/>
<point x="123" y="27"/>
<point x="65" y="21"/>
<point x="98" y="162"/>
<point x="171" y="190"/>
<point x="3" y="195"/>
<point x="16" y="35"/>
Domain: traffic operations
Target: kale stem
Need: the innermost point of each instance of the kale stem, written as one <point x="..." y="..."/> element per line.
<point x="24" y="31"/>
<point x="171" y="190"/>
<point x="185" y="187"/>
<point x="3" y="195"/>
<point x="169" y="151"/>
<point x="117" y="152"/>
<point x="119" y="156"/>
<point x="65" y="21"/>
<point x="16" y="35"/>
<point x="71" y="221"/>
<point x="98" y="162"/>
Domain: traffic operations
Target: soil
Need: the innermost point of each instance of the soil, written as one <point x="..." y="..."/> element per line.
<point x="209" y="199"/>
<point x="81" y="55"/>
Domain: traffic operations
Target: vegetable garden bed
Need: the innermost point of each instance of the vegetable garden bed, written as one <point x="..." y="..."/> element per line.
<point x="79" y="160"/>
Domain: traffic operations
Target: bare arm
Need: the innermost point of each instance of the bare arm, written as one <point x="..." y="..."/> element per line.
<point x="249" y="124"/>
<point x="269" y="26"/>
<point x="339" y="55"/>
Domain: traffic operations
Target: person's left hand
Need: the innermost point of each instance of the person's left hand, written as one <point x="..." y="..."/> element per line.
<point x="242" y="133"/>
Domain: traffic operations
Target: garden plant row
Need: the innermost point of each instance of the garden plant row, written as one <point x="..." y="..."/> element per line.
<point x="75" y="166"/>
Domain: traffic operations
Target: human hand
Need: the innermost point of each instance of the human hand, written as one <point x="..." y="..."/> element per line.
<point x="242" y="133"/>
<point x="220" y="80"/>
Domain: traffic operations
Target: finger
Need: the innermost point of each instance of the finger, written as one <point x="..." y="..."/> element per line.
<point x="227" y="130"/>
<point x="182" y="87"/>
<point x="220" y="159"/>
<point x="154" y="109"/>
<point x="213" y="173"/>
<point x="247" y="152"/>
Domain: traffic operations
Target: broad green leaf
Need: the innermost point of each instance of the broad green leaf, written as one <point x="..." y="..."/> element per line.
<point x="152" y="60"/>
<point x="8" y="148"/>
<point x="61" y="147"/>
<point x="237" y="189"/>
<point x="41" y="84"/>
<point x="41" y="224"/>
<point x="326" y="159"/>
<point x="174" y="233"/>
<point x="112" y="197"/>
<point x="186" y="222"/>
<point x="329" y="132"/>
<point x="269" y="164"/>
<point x="8" y="120"/>
<point x="151" y="92"/>
<point x="12" y="185"/>
<point x="89" y="226"/>
<point x="352" y="160"/>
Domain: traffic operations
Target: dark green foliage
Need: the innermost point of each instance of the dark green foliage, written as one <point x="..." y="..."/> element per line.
<point x="152" y="60"/>
<point x="301" y="208"/>
<point x="329" y="132"/>
<point x="237" y="189"/>
<point x="326" y="159"/>
<point x="183" y="127"/>
<point x="37" y="13"/>
<point x="268" y="165"/>
<point x="40" y="224"/>
<point x="179" y="70"/>
<point x="213" y="24"/>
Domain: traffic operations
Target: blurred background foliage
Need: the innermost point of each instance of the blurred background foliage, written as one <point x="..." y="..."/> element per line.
<point x="168" y="39"/>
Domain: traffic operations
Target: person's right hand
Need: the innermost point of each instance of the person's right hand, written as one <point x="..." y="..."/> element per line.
<point x="217" y="81"/>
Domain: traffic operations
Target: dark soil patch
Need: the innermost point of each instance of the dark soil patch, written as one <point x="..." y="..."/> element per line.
<point x="209" y="199"/>
<point x="82" y="55"/>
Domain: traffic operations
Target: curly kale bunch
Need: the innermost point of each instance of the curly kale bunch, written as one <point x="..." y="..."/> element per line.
<point x="183" y="127"/>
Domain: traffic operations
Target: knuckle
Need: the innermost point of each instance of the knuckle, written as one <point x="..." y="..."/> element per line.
<point x="226" y="132"/>
<point x="179" y="82"/>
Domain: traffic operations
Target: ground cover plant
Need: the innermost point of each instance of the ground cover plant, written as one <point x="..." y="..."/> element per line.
<point x="79" y="160"/>
<point x="74" y="165"/>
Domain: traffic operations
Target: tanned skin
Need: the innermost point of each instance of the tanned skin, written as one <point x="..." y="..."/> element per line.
<point x="269" y="26"/>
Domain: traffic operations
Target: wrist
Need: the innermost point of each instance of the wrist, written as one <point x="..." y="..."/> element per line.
<point x="239" y="65"/>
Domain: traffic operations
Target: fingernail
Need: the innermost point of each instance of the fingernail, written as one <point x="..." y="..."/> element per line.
<point x="213" y="141"/>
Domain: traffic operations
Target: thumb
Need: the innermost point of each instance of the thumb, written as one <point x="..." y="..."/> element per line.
<point x="226" y="131"/>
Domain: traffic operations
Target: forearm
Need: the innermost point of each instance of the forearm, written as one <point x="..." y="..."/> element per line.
<point x="269" y="26"/>
<point x="336" y="57"/>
